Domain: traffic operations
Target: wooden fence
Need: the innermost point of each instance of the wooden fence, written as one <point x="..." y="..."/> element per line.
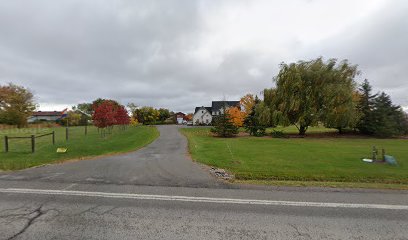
<point x="32" y="137"/>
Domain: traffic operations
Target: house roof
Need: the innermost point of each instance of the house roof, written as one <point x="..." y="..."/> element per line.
<point x="180" y="113"/>
<point x="218" y="105"/>
<point x="198" y="108"/>
<point x="47" y="113"/>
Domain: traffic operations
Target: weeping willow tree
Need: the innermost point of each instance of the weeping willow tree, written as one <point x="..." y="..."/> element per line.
<point x="312" y="92"/>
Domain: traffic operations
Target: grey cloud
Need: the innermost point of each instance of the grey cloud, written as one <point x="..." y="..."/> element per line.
<point x="378" y="44"/>
<point x="145" y="52"/>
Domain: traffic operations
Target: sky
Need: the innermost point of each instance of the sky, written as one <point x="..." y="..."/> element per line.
<point x="179" y="54"/>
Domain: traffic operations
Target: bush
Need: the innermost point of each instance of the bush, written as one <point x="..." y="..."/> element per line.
<point x="223" y="126"/>
<point x="278" y="134"/>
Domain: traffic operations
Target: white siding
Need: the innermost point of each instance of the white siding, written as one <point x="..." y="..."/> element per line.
<point x="202" y="116"/>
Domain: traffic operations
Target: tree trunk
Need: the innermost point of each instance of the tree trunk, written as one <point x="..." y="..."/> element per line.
<point x="340" y="130"/>
<point x="302" y="130"/>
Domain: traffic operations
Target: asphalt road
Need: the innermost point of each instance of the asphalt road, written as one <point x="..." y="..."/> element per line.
<point x="159" y="193"/>
<point x="165" y="162"/>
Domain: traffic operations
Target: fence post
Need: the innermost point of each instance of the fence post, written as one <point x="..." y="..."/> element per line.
<point x="32" y="143"/>
<point x="66" y="134"/>
<point x="6" y="148"/>
<point x="53" y="137"/>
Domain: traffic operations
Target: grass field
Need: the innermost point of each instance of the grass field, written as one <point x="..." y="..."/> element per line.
<point x="299" y="159"/>
<point x="293" y="130"/>
<point x="79" y="146"/>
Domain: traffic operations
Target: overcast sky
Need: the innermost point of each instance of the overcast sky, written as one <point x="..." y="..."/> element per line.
<point x="182" y="54"/>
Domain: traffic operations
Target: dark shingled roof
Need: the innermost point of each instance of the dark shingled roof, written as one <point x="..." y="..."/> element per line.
<point x="218" y="105"/>
<point x="198" y="108"/>
<point x="47" y="113"/>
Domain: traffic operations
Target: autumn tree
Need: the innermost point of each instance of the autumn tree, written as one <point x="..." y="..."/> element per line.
<point x="99" y="101"/>
<point x="133" y="121"/>
<point x="16" y="104"/>
<point x="104" y="116"/>
<point x="147" y="115"/>
<point x="73" y="119"/>
<point x="247" y="103"/>
<point x="237" y="116"/>
<point x="122" y="117"/>
<point x="188" y="117"/>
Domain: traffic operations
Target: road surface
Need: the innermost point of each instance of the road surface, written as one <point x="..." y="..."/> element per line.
<point x="159" y="193"/>
<point x="165" y="162"/>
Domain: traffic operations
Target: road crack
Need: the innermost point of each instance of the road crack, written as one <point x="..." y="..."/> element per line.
<point x="36" y="213"/>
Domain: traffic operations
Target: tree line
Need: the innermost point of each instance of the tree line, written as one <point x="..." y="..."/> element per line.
<point x="17" y="105"/>
<point x="318" y="92"/>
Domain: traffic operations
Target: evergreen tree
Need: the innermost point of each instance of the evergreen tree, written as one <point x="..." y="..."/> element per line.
<point x="403" y="122"/>
<point x="252" y="122"/>
<point x="387" y="117"/>
<point x="380" y="116"/>
<point x="223" y="125"/>
<point x="366" y="124"/>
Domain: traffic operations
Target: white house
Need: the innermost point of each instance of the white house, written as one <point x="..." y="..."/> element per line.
<point x="204" y="115"/>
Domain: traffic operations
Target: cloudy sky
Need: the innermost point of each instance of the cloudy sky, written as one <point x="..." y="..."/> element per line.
<point x="182" y="54"/>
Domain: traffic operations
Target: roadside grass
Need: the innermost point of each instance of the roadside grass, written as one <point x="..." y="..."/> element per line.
<point x="288" y="183"/>
<point x="79" y="145"/>
<point x="336" y="160"/>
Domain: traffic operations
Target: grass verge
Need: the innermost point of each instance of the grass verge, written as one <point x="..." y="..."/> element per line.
<point x="79" y="145"/>
<point x="325" y="184"/>
<point x="302" y="161"/>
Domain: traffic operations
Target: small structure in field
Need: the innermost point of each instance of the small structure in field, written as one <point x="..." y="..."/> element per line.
<point x="180" y="117"/>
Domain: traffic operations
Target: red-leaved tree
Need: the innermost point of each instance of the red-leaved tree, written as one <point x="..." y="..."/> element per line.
<point x="104" y="115"/>
<point x="122" y="116"/>
<point x="108" y="113"/>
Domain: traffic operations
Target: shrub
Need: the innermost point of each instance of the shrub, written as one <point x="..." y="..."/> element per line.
<point x="278" y="134"/>
<point x="223" y="126"/>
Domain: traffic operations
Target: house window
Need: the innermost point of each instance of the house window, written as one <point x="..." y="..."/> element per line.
<point x="206" y="121"/>
<point x="202" y="111"/>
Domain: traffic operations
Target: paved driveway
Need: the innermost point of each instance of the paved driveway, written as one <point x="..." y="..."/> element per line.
<point x="165" y="162"/>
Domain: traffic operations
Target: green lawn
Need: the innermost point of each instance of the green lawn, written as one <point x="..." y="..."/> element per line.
<point x="299" y="159"/>
<point x="79" y="146"/>
<point x="293" y="130"/>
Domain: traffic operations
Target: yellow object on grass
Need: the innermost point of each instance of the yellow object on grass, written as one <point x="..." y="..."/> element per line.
<point x="62" y="150"/>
